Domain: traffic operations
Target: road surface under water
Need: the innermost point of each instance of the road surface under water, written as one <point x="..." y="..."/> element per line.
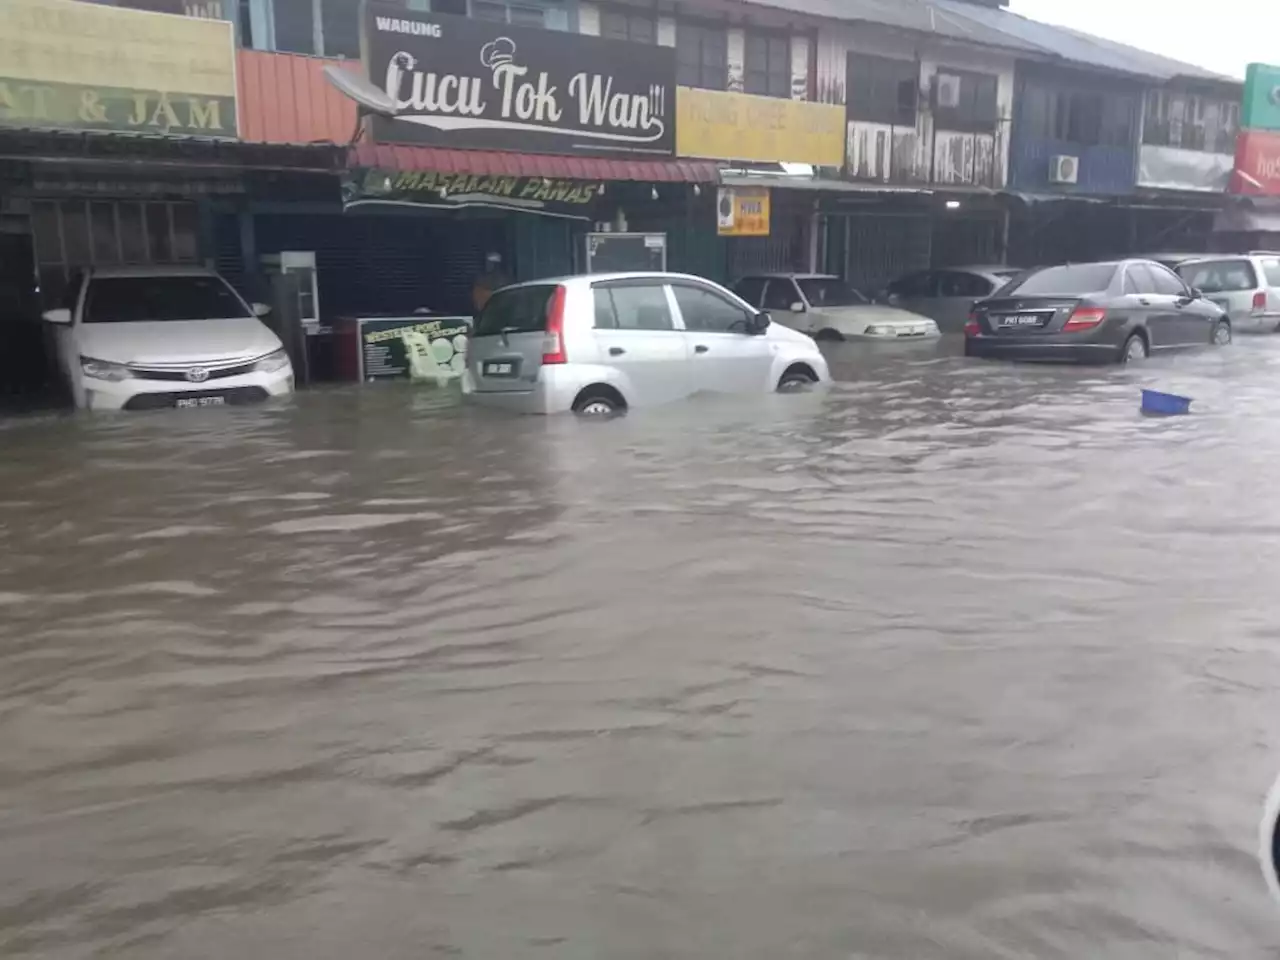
<point x="958" y="660"/>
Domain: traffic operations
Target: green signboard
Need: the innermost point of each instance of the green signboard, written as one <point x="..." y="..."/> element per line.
<point x="416" y="347"/>
<point x="1261" y="110"/>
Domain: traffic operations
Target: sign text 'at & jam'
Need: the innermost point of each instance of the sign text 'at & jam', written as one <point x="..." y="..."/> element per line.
<point x="481" y="85"/>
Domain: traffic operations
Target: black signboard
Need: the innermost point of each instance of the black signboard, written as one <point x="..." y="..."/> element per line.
<point x="476" y="84"/>
<point x="620" y="252"/>
<point x="549" y="196"/>
<point x="419" y="348"/>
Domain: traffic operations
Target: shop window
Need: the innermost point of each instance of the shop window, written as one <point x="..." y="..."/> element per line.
<point x="550" y="16"/>
<point x="882" y="90"/>
<point x="340" y="28"/>
<point x="978" y="108"/>
<point x="295" y="25"/>
<point x="1189" y="122"/>
<point x="767" y="64"/>
<point x="622" y="25"/>
<point x="702" y="56"/>
<point x="1083" y="117"/>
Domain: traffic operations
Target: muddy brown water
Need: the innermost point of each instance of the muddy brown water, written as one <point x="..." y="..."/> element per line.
<point x="958" y="660"/>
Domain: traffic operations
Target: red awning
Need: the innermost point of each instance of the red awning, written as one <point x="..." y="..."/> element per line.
<point x="493" y="164"/>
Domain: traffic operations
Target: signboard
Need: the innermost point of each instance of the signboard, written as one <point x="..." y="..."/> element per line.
<point x="552" y="197"/>
<point x="739" y="126"/>
<point x="742" y="212"/>
<point x="476" y="84"/>
<point x="417" y="348"/>
<point x="1257" y="170"/>
<point x="83" y="66"/>
<point x="622" y="252"/>
<point x="1261" y="108"/>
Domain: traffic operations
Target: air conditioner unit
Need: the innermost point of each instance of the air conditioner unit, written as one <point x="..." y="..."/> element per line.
<point x="946" y="90"/>
<point x="1064" y="169"/>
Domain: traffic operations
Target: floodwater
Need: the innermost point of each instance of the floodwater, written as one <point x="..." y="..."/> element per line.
<point x="957" y="660"/>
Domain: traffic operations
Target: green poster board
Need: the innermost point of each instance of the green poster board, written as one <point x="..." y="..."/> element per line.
<point x="1261" y="109"/>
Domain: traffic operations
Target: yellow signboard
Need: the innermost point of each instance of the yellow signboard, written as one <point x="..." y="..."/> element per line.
<point x="86" y="66"/>
<point x="739" y="126"/>
<point x="742" y="212"/>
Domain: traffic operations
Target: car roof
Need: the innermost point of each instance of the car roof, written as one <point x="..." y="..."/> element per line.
<point x="789" y="276"/>
<point x="153" y="270"/>
<point x="603" y="277"/>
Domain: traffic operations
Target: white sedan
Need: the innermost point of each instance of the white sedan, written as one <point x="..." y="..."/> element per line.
<point x="148" y="337"/>
<point x="827" y="308"/>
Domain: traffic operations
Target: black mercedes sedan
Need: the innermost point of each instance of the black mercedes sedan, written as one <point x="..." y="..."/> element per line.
<point x="1112" y="312"/>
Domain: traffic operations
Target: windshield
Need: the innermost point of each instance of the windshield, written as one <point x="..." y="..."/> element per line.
<point x="516" y="310"/>
<point x="142" y="299"/>
<point x="1071" y="280"/>
<point x="830" y="292"/>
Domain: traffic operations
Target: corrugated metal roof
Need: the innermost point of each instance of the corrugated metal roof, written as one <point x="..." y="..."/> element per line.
<point x="495" y="164"/>
<point x="922" y="16"/>
<point x="1076" y="47"/>
<point x="284" y="98"/>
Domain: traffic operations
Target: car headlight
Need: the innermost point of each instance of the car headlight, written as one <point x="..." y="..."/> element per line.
<point x="272" y="362"/>
<point x="873" y="331"/>
<point x="104" y="369"/>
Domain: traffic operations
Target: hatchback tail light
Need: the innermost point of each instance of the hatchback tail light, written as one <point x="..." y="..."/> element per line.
<point x="1084" y="318"/>
<point x="971" y="328"/>
<point x="553" y="342"/>
<point x="1260" y="301"/>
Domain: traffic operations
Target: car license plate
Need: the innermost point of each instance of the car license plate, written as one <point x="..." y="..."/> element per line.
<point x="500" y="368"/>
<point x="186" y="403"/>
<point x="1021" y="320"/>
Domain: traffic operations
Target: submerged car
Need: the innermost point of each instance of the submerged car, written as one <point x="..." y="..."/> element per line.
<point x="946" y="296"/>
<point x="1246" y="286"/>
<point x="606" y="343"/>
<point x="827" y="308"/>
<point x="150" y="337"/>
<point x="1114" y="312"/>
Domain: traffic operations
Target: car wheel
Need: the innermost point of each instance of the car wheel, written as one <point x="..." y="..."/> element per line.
<point x="597" y="405"/>
<point x="796" y="379"/>
<point x="1221" y="333"/>
<point x="1134" y="349"/>
<point x="827" y="335"/>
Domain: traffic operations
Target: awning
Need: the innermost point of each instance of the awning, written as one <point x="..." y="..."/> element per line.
<point x="490" y="163"/>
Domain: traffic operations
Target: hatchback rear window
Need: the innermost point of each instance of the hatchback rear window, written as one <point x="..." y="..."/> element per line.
<point x="1271" y="266"/>
<point x="515" y="310"/>
<point x="1219" y="276"/>
<point x="1071" y="280"/>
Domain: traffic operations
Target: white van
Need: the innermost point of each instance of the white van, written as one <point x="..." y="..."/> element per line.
<point x="604" y="343"/>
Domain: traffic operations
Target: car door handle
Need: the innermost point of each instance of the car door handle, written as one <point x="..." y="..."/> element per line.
<point x="1144" y="301"/>
<point x="700" y="348"/>
<point x="616" y="351"/>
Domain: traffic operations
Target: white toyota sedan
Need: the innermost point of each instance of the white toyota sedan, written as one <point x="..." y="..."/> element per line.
<point x="827" y="308"/>
<point x="151" y="337"/>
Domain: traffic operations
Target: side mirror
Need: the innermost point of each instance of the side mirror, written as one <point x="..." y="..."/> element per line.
<point x="797" y="307"/>
<point x="61" y="315"/>
<point x="1269" y="852"/>
<point x="1197" y="293"/>
<point x="260" y="309"/>
<point x="760" y="323"/>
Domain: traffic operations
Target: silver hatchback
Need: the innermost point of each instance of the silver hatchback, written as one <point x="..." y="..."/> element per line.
<point x="603" y="343"/>
<point x="1246" y="286"/>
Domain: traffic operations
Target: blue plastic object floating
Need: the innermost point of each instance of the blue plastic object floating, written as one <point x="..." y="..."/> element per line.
<point x="1157" y="404"/>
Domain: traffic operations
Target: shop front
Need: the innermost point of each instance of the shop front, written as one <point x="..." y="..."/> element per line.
<point x="117" y="135"/>
<point x="1252" y="221"/>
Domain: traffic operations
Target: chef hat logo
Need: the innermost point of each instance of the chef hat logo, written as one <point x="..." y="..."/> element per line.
<point x="497" y="53"/>
<point x="1274" y="96"/>
<point x="405" y="61"/>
